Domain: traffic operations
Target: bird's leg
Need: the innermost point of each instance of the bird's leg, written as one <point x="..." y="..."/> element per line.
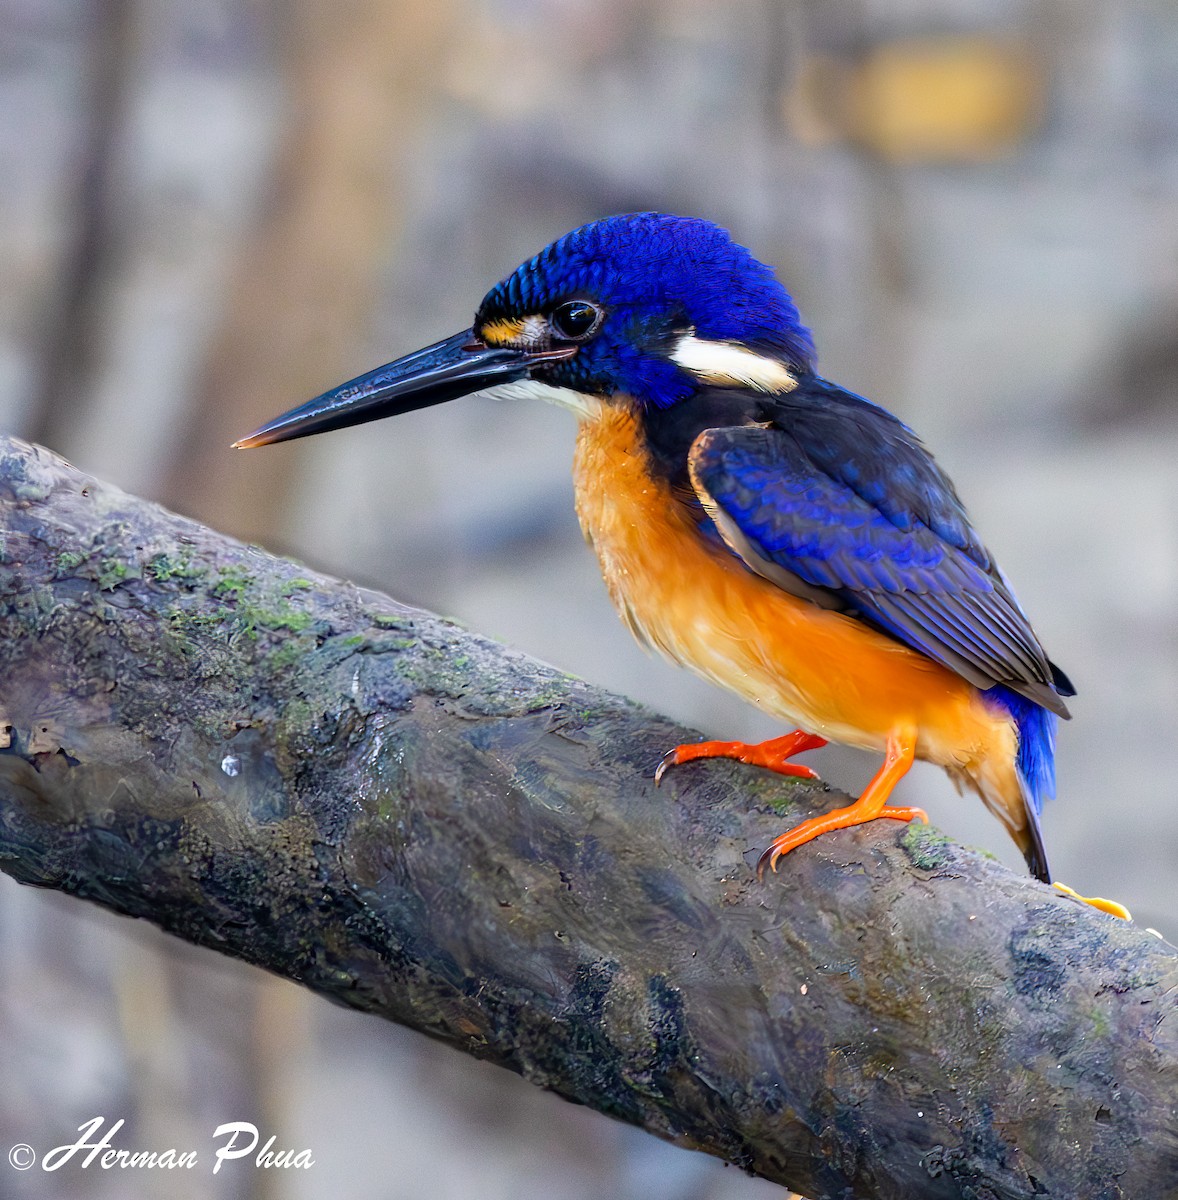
<point x="773" y="754"/>
<point x="901" y="750"/>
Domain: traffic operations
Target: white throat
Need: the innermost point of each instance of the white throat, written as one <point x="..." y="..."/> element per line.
<point x="584" y="404"/>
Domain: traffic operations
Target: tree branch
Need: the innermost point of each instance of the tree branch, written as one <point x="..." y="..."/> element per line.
<point x="415" y="822"/>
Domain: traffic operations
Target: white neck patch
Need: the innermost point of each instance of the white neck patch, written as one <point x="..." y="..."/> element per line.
<point x="731" y="364"/>
<point x="584" y="404"/>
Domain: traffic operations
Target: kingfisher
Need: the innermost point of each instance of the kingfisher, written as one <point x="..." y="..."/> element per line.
<point x="755" y="522"/>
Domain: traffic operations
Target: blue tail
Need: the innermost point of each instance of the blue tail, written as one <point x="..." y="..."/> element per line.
<point x="1035" y="763"/>
<point x="1036" y="743"/>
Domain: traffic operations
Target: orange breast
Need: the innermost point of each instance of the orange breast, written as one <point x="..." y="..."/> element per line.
<point x="697" y="604"/>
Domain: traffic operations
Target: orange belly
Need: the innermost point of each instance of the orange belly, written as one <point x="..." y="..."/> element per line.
<point x="822" y="671"/>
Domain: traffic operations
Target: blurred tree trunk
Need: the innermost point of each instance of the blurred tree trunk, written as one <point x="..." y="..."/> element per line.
<point x="70" y="347"/>
<point x="359" y="79"/>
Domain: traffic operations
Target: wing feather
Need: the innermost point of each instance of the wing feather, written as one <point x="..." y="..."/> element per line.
<point x="861" y="513"/>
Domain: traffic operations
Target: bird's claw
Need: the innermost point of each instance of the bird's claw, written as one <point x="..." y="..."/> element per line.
<point x="768" y="859"/>
<point x="670" y="759"/>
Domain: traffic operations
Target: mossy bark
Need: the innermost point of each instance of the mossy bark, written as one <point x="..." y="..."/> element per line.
<point x="413" y="821"/>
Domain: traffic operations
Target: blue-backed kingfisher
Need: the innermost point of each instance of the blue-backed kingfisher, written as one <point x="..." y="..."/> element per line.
<point x="755" y="522"/>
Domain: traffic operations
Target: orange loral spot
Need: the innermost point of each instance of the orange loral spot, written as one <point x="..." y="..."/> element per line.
<point x="502" y="332"/>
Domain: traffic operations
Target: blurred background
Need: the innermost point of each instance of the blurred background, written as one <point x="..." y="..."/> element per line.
<point x="213" y="209"/>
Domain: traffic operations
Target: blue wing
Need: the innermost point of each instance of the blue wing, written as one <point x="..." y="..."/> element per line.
<point x="837" y="500"/>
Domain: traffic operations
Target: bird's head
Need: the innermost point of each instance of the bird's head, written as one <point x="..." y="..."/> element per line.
<point x="646" y="308"/>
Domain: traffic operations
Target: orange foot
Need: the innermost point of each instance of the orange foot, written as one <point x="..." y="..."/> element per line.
<point x="901" y="750"/>
<point x="772" y="754"/>
<point x="1109" y="906"/>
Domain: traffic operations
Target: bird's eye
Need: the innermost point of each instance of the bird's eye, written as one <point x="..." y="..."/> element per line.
<point x="575" y="319"/>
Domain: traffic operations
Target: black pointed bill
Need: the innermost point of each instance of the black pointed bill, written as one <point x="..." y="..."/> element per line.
<point x="455" y="367"/>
